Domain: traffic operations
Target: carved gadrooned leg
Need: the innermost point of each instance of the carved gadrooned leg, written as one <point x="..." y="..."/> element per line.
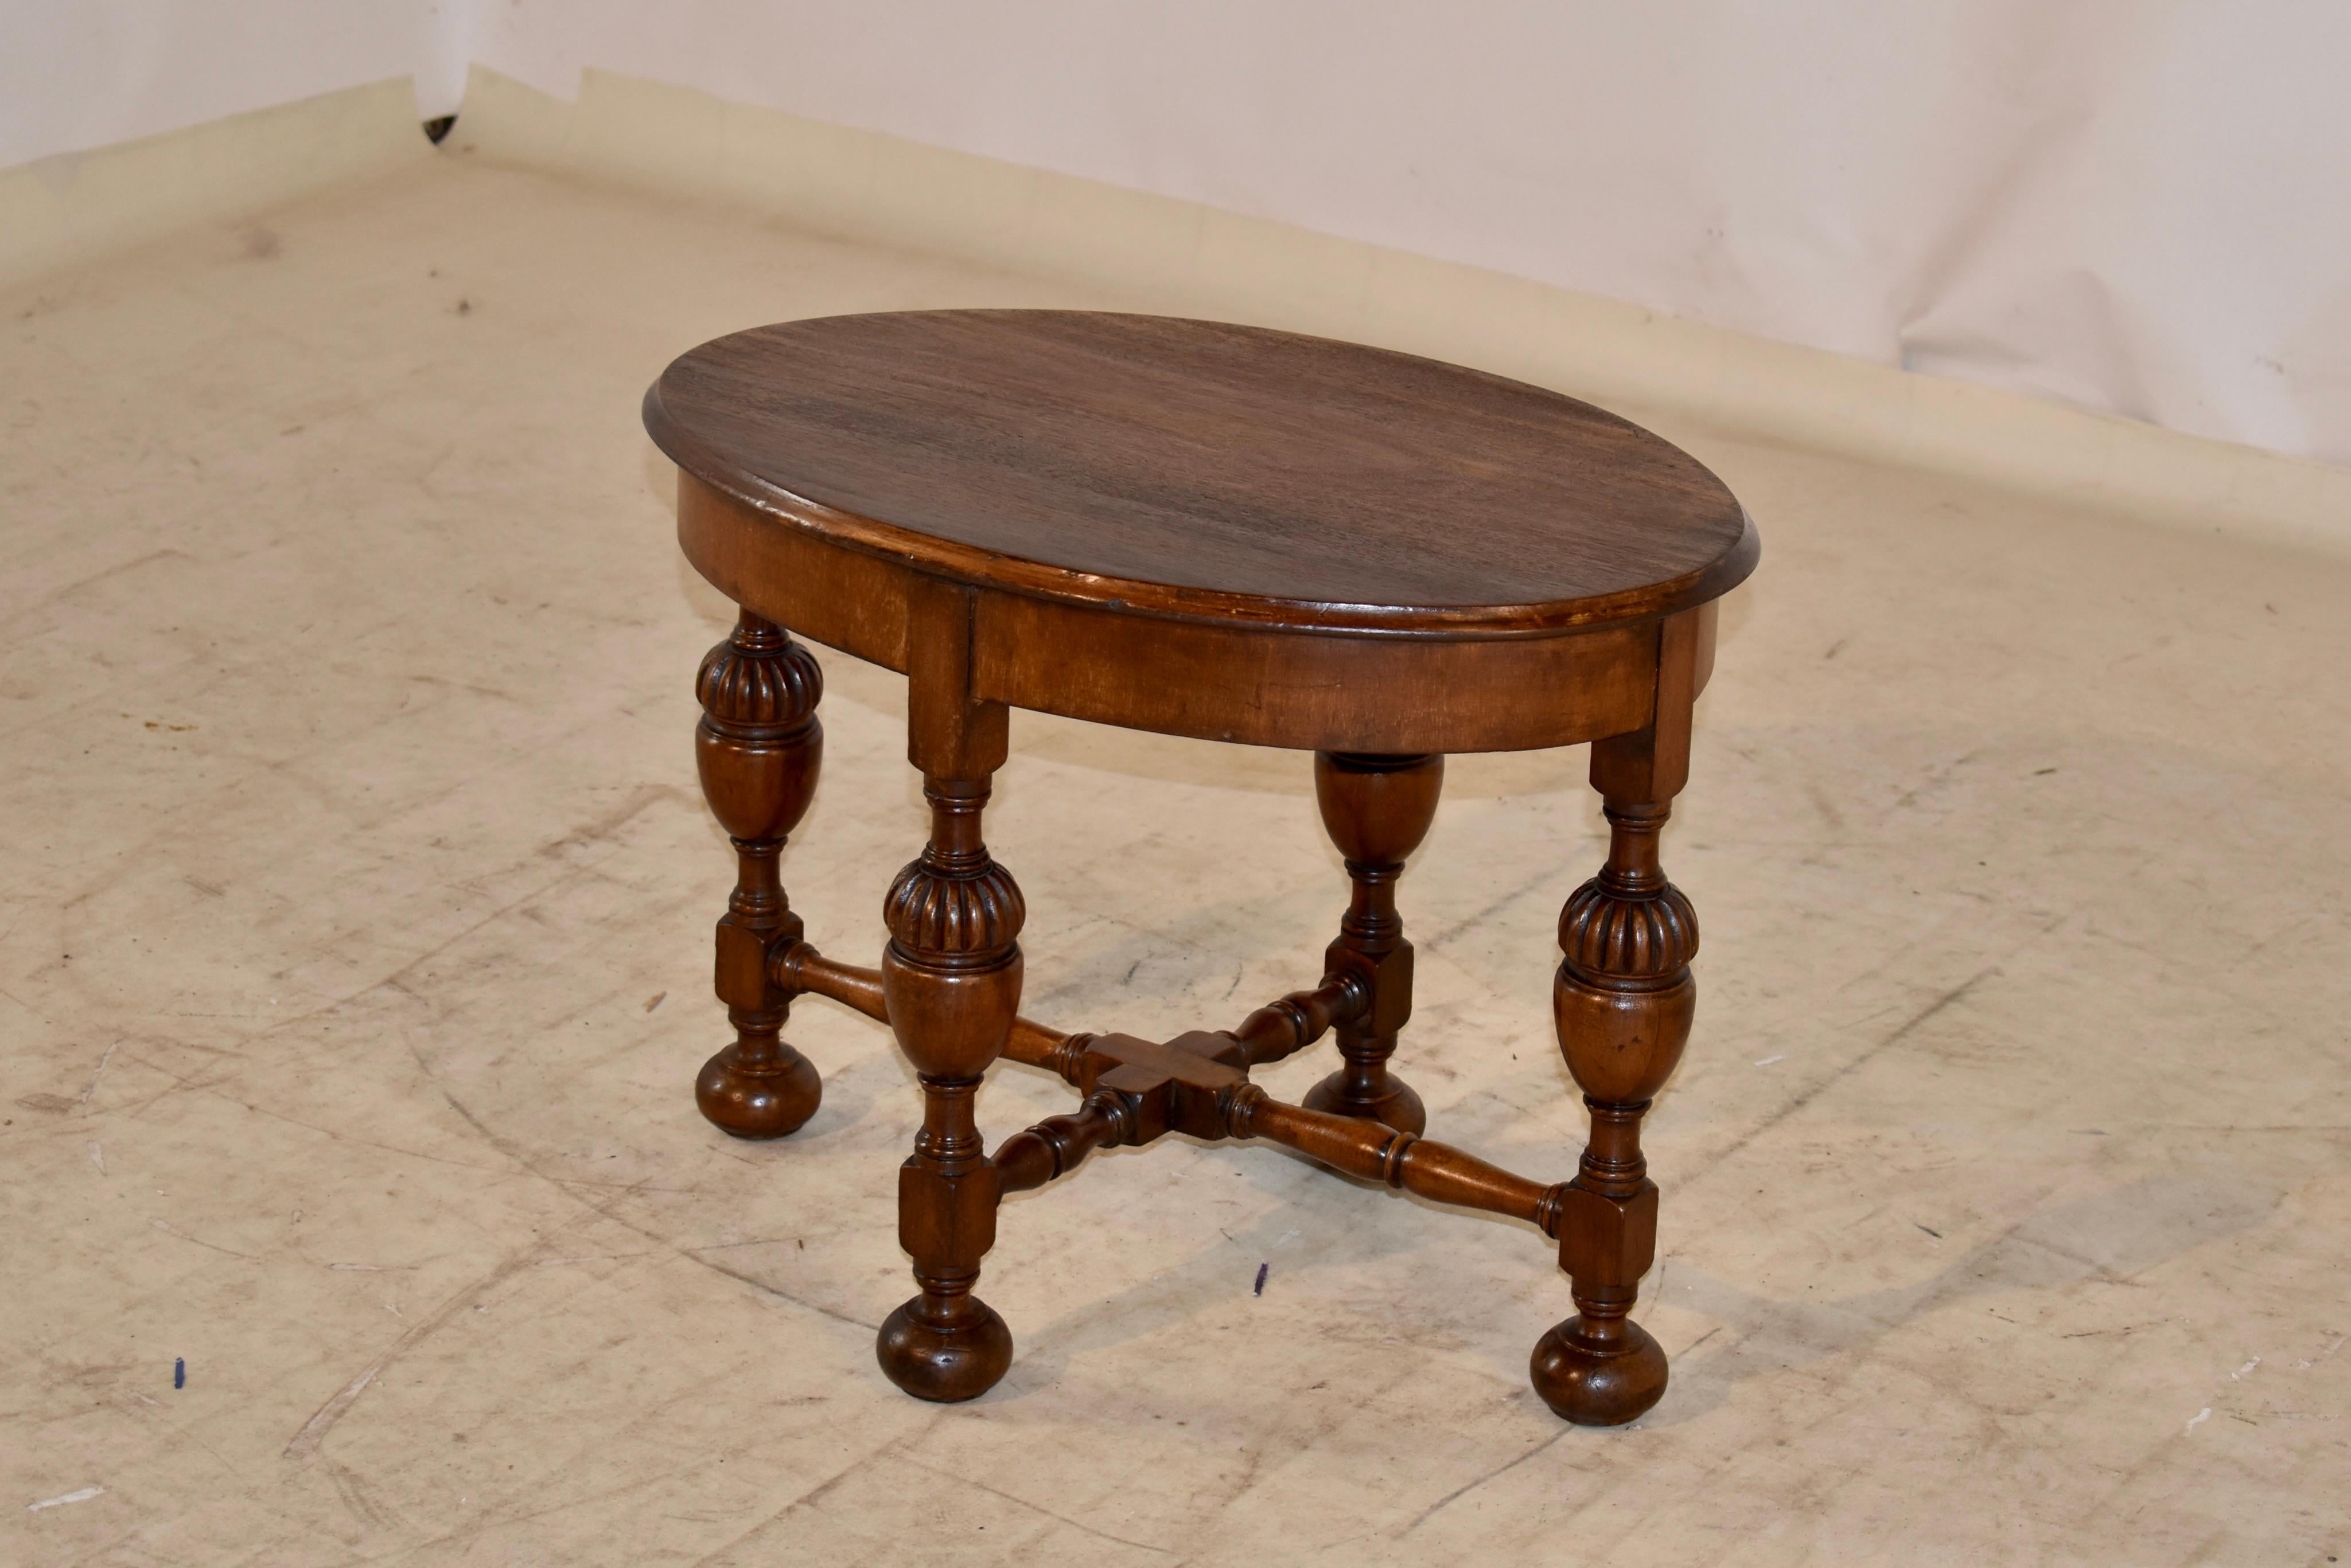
<point x="758" y="747"/>
<point x="1376" y="810"/>
<point x="952" y="977"/>
<point x="1622" y="1001"/>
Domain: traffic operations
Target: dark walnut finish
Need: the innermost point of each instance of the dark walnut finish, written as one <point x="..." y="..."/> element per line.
<point x="1234" y="535"/>
<point x="758" y="747"/>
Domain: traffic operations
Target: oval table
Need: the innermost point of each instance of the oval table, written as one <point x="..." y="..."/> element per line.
<point x="1234" y="535"/>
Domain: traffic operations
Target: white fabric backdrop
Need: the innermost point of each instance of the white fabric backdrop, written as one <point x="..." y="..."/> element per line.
<point x="78" y="74"/>
<point x="2136" y="205"/>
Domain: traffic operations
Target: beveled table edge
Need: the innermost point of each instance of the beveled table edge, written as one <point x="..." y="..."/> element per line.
<point x="980" y="567"/>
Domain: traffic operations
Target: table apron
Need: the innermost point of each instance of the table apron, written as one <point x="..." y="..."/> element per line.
<point x="1318" y="691"/>
<point x="1255" y="685"/>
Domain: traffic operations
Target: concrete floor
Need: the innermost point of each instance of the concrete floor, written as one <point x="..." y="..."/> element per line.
<point x="354" y="970"/>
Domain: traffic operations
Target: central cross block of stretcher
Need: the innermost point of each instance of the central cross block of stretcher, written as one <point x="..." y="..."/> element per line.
<point x="1176" y="1085"/>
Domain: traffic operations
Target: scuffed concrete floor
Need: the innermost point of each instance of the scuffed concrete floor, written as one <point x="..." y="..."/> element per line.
<point x="354" y="970"/>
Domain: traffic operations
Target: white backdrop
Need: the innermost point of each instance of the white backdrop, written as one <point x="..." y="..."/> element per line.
<point x="78" y="74"/>
<point x="2142" y="206"/>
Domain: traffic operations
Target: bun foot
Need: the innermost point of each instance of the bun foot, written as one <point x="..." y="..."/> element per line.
<point x="1599" y="1374"/>
<point x="945" y="1356"/>
<point x="758" y="1100"/>
<point x="1397" y="1106"/>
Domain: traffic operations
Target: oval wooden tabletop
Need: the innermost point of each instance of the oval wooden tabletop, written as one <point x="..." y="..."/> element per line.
<point x="1203" y="470"/>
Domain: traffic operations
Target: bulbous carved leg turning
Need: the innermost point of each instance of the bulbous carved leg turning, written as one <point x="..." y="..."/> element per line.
<point x="1622" y="1001"/>
<point x="952" y="976"/>
<point x="757" y="749"/>
<point x="1376" y="810"/>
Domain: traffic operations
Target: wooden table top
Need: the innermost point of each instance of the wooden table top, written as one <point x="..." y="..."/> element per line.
<point x="1205" y="471"/>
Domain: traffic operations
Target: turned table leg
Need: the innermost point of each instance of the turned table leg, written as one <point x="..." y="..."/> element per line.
<point x="951" y="976"/>
<point x="758" y="747"/>
<point x="1376" y="810"/>
<point x="1622" y="1001"/>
